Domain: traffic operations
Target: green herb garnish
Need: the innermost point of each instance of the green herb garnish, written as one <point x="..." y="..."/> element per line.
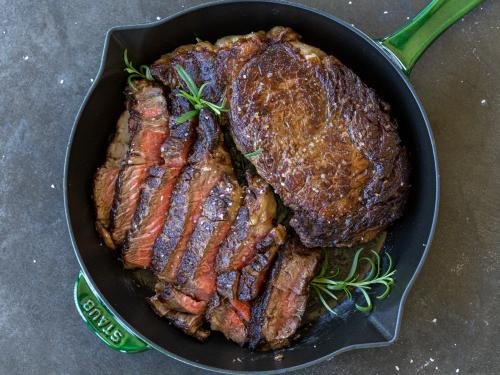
<point x="194" y="97"/>
<point x="253" y="154"/>
<point x="142" y="73"/>
<point x="325" y="285"/>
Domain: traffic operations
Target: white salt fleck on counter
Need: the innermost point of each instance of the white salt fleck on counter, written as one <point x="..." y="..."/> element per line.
<point x="385" y="12"/>
<point x="61" y="81"/>
<point x="397" y="368"/>
<point x="407" y="17"/>
<point x="158" y="18"/>
<point x="34" y="260"/>
<point x="431" y="359"/>
<point x="434" y="320"/>
<point x="52" y="186"/>
<point x="350" y="3"/>
<point x="484" y="102"/>
<point x="92" y="80"/>
<point x="457" y="370"/>
<point x="411" y="360"/>
<point x="25" y="57"/>
<point x="437" y="368"/>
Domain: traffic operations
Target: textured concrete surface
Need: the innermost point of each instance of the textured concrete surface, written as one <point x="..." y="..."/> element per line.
<point x="49" y="53"/>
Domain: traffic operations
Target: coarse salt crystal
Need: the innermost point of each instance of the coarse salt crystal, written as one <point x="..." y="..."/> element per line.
<point x="26" y="57"/>
<point x="61" y="81"/>
<point x="397" y="368"/>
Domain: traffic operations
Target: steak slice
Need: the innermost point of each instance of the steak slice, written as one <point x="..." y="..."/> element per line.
<point x="173" y="299"/>
<point x="253" y="221"/>
<point x="188" y="323"/>
<point x="254" y="274"/>
<point x="106" y="176"/>
<point x="223" y="317"/>
<point x="148" y="128"/>
<point x="329" y="147"/>
<point x="197" y="269"/>
<point x="154" y="202"/>
<point x="277" y="313"/>
<point x="208" y="163"/>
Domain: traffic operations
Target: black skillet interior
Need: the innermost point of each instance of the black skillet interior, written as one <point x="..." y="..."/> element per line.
<point x="407" y="240"/>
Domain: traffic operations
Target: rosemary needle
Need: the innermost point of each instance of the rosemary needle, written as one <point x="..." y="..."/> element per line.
<point x="325" y="285"/>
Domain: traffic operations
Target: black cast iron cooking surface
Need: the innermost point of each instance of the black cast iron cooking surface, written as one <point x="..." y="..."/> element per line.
<point x="408" y="240"/>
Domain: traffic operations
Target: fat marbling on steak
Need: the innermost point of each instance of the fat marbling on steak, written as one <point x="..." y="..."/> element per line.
<point x="328" y="144"/>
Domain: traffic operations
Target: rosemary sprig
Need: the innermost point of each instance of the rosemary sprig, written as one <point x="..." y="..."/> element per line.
<point x="325" y="286"/>
<point x="142" y="73"/>
<point x="253" y="154"/>
<point x="194" y="97"/>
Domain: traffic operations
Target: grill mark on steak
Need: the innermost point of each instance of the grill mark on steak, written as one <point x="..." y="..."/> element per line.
<point x="277" y="313"/>
<point x="329" y="147"/>
<point x="208" y="163"/>
<point x="254" y="274"/>
<point x="156" y="193"/>
<point x="188" y="323"/>
<point x="148" y="121"/>
<point x="197" y="269"/>
<point x="106" y="176"/>
<point x="253" y="221"/>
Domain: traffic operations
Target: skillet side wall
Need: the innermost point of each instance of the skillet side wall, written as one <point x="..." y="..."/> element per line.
<point x="407" y="239"/>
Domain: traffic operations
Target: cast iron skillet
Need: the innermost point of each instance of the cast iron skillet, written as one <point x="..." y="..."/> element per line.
<point x="111" y="303"/>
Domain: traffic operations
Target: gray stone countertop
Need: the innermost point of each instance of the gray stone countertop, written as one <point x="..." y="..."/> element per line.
<point x="50" y="52"/>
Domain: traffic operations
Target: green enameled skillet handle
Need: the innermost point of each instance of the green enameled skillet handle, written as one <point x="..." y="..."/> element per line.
<point x="102" y="322"/>
<point x="408" y="43"/>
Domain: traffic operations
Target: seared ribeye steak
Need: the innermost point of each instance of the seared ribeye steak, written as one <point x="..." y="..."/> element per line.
<point x="277" y="313"/>
<point x="106" y="175"/>
<point x="327" y="143"/>
<point x="148" y="126"/>
<point x="156" y="192"/>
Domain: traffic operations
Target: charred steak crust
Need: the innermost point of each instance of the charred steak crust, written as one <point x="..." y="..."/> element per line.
<point x="329" y="147"/>
<point x="277" y="313"/>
